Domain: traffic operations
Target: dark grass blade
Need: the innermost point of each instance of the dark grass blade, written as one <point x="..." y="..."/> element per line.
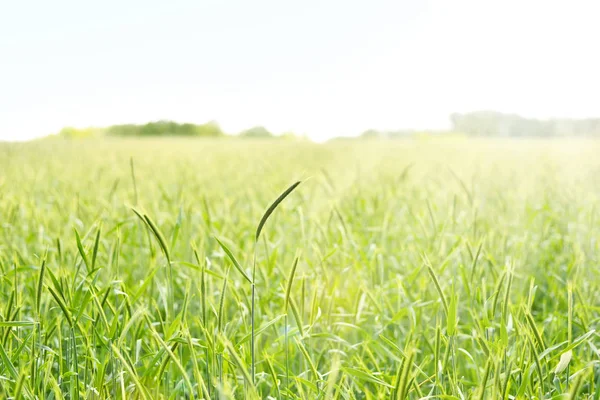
<point x="156" y="232"/>
<point x="234" y="261"/>
<point x="38" y="298"/>
<point x="81" y="249"/>
<point x="62" y="306"/>
<point x="140" y="216"/>
<point x="273" y="206"/>
<point x="159" y="236"/>
<point x="96" y="244"/>
<point x="289" y="284"/>
<point x="222" y="303"/>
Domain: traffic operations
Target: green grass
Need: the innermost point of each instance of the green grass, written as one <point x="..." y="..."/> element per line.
<point x="441" y="269"/>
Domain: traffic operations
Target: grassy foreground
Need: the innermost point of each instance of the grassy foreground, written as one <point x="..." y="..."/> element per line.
<point x="405" y="269"/>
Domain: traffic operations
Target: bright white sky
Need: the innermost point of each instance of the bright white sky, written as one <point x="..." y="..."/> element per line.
<point x="324" y="68"/>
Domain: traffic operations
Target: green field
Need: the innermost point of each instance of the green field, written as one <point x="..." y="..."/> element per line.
<point x="440" y="269"/>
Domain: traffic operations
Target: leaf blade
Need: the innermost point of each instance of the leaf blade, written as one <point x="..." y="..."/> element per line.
<point x="273" y="206"/>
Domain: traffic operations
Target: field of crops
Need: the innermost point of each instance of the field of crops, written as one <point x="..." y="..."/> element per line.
<point x="439" y="269"/>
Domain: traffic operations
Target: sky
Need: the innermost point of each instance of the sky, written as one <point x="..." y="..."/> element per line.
<point x="323" y="68"/>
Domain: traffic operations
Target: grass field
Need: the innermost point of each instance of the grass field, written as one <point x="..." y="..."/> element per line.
<point x="441" y="269"/>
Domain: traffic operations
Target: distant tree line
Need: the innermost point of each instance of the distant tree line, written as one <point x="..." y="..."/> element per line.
<point x="168" y="128"/>
<point x="497" y="124"/>
<point x="491" y="123"/>
<point x="479" y="123"/>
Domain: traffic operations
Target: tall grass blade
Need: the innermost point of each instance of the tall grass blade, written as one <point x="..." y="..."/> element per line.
<point x="272" y="208"/>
